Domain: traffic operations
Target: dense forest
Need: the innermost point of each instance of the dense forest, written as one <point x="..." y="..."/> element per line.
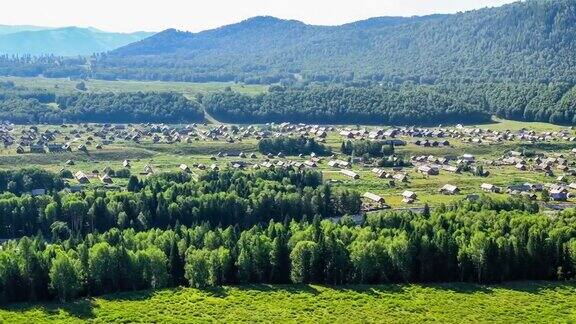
<point x="554" y="103"/>
<point x="485" y="241"/>
<point x="391" y="105"/>
<point x="515" y="61"/>
<point x="25" y="180"/>
<point x="168" y="199"/>
<point x="49" y="66"/>
<point x="524" y="41"/>
<point x="405" y="104"/>
<point x="520" y="42"/>
<point x="129" y="107"/>
<point x="385" y="104"/>
<point x="22" y="105"/>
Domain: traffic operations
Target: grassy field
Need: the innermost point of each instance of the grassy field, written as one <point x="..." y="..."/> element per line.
<point x="522" y="302"/>
<point x="65" y="86"/>
<point x="502" y="124"/>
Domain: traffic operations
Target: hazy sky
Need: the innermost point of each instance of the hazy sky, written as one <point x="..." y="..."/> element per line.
<point x="196" y="15"/>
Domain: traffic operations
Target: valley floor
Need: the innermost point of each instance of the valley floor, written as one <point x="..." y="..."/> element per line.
<point x="520" y="302"/>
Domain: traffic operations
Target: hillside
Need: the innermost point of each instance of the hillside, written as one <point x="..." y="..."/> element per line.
<point x="10" y="29"/>
<point x="68" y="41"/>
<point x="446" y="303"/>
<point x="517" y="42"/>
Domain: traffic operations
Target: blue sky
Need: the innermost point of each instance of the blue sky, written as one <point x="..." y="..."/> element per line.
<point x="196" y="15"/>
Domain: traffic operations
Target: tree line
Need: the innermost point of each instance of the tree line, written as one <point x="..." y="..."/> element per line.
<point x="405" y="104"/>
<point x="369" y="148"/>
<point x="25" y="180"/>
<point x="22" y="105"/>
<point x="391" y="105"/>
<point x="166" y="200"/>
<point x="485" y="241"/>
<point x="544" y="102"/>
<point x="292" y="146"/>
<point x="130" y="107"/>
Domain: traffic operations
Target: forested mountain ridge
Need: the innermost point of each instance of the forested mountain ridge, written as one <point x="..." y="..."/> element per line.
<point x="517" y="42"/>
<point x="516" y="61"/>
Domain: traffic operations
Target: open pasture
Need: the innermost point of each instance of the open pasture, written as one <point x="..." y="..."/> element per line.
<point x="520" y="302"/>
<point x="62" y="86"/>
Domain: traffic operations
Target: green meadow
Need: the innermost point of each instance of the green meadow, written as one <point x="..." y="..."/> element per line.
<point x="64" y="86"/>
<point x="521" y="302"/>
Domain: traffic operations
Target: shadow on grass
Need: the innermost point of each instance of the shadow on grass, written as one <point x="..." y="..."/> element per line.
<point x="82" y="309"/>
<point x="372" y="290"/>
<point x="530" y="287"/>
<point x="290" y="288"/>
<point x="536" y="287"/>
<point x="133" y="295"/>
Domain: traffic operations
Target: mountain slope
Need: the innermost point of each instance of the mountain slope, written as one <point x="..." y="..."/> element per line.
<point x="68" y="41"/>
<point x="523" y="41"/>
<point x="10" y="29"/>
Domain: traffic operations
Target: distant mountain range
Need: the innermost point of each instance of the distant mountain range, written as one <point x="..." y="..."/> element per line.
<point x="67" y="41"/>
<point x="528" y="40"/>
<point x="11" y="29"/>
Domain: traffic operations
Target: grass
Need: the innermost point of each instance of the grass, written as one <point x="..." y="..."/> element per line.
<point x="66" y="86"/>
<point x="503" y="124"/>
<point x="518" y="302"/>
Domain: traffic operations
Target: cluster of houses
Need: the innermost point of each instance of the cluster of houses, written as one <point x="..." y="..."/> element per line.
<point x="431" y="165"/>
<point x="31" y="140"/>
<point x="556" y="192"/>
<point x="82" y="137"/>
<point x="539" y="163"/>
<point x="85" y="178"/>
<point x="375" y="202"/>
<point x="317" y="131"/>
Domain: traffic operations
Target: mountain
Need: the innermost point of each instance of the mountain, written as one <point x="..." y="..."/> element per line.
<point x="523" y="41"/>
<point x="10" y="29"/>
<point x="68" y="41"/>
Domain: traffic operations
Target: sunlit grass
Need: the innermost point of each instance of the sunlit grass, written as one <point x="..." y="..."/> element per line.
<point x="521" y="302"/>
<point x="190" y="89"/>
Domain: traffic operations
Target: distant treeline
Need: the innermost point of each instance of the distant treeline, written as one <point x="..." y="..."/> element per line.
<point x="386" y="104"/>
<point x="21" y="105"/>
<point x="406" y="104"/>
<point x="553" y="103"/>
<point x="485" y="241"/>
<point x="345" y="105"/>
<point x="48" y="66"/>
<point x="130" y="107"/>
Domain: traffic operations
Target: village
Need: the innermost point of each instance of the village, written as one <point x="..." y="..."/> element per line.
<point x="429" y="165"/>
